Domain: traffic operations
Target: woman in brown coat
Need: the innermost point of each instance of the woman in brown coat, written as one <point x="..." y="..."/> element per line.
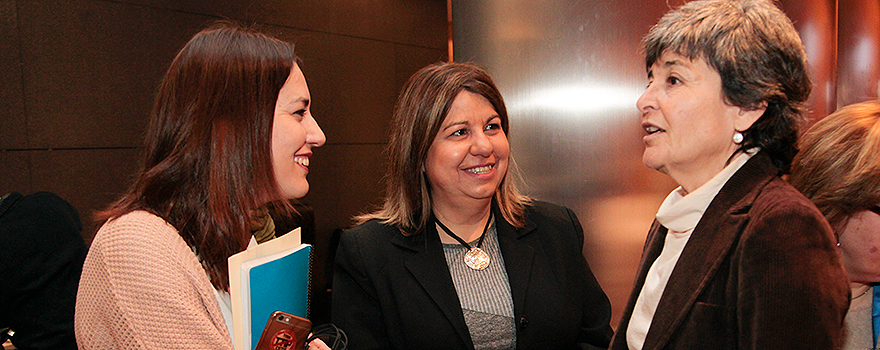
<point x="736" y="258"/>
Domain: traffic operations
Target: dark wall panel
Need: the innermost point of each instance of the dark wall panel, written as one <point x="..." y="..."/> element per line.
<point x="16" y="174"/>
<point x="349" y="183"/>
<point x="409" y="59"/>
<point x="91" y="68"/>
<point x="352" y="83"/>
<point x="13" y="128"/>
<point x="345" y="180"/>
<point x="88" y="179"/>
<point x="401" y="21"/>
<point x="88" y="70"/>
<point x="79" y="78"/>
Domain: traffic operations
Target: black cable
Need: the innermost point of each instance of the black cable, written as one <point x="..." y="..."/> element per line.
<point x="331" y="335"/>
<point x="5" y="332"/>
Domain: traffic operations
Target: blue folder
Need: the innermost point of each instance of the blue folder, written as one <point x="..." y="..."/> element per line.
<point x="279" y="285"/>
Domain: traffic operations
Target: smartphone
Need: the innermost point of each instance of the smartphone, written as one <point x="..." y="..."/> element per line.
<point x="284" y="332"/>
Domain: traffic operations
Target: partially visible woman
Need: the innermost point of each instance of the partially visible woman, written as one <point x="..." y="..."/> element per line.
<point x="838" y="168"/>
<point x="40" y="264"/>
<point x="231" y="129"/>
<point x="457" y="258"/>
<point x="736" y="258"/>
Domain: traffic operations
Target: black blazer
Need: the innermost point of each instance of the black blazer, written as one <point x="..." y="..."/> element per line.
<point x="392" y="291"/>
<point x="760" y="271"/>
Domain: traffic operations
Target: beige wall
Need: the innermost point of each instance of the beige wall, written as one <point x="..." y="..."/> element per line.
<point x="78" y="78"/>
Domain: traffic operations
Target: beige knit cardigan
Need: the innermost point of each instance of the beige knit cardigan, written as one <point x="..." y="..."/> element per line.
<point x="143" y="288"/>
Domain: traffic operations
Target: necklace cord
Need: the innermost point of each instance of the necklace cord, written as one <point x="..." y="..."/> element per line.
<point x="459" y="239"/>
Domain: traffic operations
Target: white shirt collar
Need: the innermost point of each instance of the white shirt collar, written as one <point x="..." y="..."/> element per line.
<point x="681" y="212"/>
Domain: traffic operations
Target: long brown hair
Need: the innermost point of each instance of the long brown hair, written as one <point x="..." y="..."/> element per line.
<point x="421" y="108"/>
<point x="207" y="157"/>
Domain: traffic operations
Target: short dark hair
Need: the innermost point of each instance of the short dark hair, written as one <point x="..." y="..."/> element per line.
<point x="756" y="50"/>
<point x="207" y="161"/>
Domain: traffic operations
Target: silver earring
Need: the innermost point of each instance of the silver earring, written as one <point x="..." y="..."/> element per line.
<point x="737" y="138"/>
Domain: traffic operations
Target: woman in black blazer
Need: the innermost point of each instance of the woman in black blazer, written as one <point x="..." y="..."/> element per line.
<point x="457" y="258"/>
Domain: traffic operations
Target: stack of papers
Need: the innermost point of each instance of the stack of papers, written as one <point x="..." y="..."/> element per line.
<point x="268" y="277"/>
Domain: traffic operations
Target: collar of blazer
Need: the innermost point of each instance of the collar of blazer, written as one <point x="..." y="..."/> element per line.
<point x="707" y="247"/>
<point x="8" y="200"/>
<point x="428" y="258"/>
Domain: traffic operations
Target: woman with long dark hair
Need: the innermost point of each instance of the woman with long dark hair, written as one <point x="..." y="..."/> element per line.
<point x="230" y="131"/>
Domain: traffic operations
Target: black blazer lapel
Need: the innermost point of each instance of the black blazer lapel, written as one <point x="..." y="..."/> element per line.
<point x="428" y="267"/>
<point x="518" y="258"/>
<point x="708" y="247"/>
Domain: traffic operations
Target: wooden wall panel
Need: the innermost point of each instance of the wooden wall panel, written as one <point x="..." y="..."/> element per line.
<point x="80" y="76"/>
<point x="816" y="22"/>
<point x="12" y="124"/>
<point x="352" y="83"/>
<point x="87" y="178"/>
<point x="16" y="174"/>
<point x="345" y="180"/>
<point x="409" y="59"/>
<point x="858" y="52"/>
<point x="91" y="69"/>
<point x="400" y="21"/>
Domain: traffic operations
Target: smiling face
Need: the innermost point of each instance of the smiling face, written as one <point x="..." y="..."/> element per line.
<point x="294" y="133"/>
<point x="860" y="247"/>
<point x="689" y="125"/>
<point x="468" y="158"/>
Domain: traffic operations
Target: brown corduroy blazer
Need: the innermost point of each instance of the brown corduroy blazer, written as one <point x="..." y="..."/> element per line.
<point x="760" y="271"/>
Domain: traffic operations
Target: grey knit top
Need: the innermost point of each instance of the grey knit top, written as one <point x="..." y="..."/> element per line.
<point x="484" y="295"/>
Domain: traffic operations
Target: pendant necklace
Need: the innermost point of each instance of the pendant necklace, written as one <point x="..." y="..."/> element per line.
<point x="475" y="257"/>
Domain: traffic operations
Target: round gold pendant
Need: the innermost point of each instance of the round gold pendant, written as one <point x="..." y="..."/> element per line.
<point x="476" y="259"/>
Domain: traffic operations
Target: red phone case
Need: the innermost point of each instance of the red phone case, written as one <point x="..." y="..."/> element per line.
<point x="284" y="332"/>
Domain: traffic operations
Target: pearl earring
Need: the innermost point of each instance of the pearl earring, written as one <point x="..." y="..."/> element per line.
<point x="738" y="138"/>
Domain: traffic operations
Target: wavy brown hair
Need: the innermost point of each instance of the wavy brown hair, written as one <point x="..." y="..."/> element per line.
<point x="838" y="167"/>
<point x="421" y="108"/>
<point x="207" y="154"/>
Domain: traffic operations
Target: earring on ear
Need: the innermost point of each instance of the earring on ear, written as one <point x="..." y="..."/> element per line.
<point x="737" y="138"/>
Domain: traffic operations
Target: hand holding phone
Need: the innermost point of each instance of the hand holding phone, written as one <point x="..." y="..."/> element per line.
<point x="284" y="332"/>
